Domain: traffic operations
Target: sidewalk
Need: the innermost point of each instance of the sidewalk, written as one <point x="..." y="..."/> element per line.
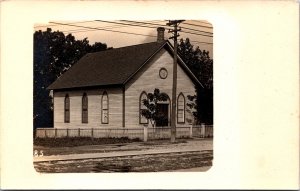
<point x="107" y="155"/>
<point x="197" y="169"/>
<point x="189" y="146"/>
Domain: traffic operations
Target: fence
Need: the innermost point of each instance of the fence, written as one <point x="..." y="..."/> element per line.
<point x="202" y="131"/>
<point x="145" y="133"/>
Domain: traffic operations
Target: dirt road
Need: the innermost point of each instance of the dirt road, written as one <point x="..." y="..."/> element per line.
<point x="131" y="157"/>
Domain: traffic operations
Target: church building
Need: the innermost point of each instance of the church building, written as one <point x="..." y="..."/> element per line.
<point x="105" y="89"/>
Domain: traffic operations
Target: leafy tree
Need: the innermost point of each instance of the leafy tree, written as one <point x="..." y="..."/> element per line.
<point x="199" y="62"/>
<point x="201" y="105"/>
<point x="54" y="53"/>
<point x="152" y="112"/>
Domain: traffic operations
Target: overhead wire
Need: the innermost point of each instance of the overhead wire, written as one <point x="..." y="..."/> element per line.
<point x="164" y="26"/>
<point x="60" y="24"/>
<point x="108" y="27"/>
<point x="196" y="33"/>
<point x="128" y="24"/>
<point x="203" y="22"/>
<point x="197" y="25"/>
<point x="104" y="29"/>
<point x="143" y="22"/>
<point x="83" y="30"/>
<point x="117" y="31"/>
<point x="137" y="25"/>
<point x="198" y="42"/>
<point x="78" y="30"/>
<point x="195" y="30"/>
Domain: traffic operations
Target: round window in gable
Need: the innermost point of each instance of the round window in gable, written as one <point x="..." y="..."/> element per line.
<point x="163" y="73"/>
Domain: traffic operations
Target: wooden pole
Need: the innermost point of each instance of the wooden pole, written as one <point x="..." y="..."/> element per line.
<point x="174" y="23"/>
<point x="174" y="88"/>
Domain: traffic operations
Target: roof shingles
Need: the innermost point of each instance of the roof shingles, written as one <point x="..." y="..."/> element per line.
<point x="110" y="67"/>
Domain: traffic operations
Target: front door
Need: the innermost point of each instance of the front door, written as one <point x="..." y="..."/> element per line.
<point x="163" y="110"/>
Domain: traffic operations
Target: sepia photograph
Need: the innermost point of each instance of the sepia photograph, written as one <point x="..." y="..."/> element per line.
<point x="152" y="95"/>
<point x="123" y="96"/>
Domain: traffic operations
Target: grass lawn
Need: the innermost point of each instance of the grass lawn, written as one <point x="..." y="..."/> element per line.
<point x="80" y="141"/>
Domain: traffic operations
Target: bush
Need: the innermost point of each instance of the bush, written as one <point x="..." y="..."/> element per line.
<point x="80" y="141"/>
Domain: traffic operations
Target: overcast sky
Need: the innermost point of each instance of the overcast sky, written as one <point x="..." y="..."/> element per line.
<point x="125" y="33"/>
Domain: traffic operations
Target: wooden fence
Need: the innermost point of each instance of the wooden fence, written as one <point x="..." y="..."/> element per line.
<point x="146" y="133"/>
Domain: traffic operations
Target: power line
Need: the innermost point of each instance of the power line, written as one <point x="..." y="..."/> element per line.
<point x="196" y="30"/>
<point x="78" y="31"/>
<point x="103" y="29"/>
<point x="197" y="25"/>
<point x="108" y="27"/>
<point x="200" y="42"/>
<point x="60" y="24"/>
<point x="196" y="34"/>
<point x="155" y="23"/>
<point x="135" y="25"/>
<point x="203" y="22"/>
<point x="160" y="25"/>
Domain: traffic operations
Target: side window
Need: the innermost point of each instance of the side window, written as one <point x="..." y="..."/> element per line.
<point x="180" y="108"/>
<point x="105" y="109"/>
<point x="84" y="108"/>
<point x="67" y="109"/>
<point x="143" y="120"/>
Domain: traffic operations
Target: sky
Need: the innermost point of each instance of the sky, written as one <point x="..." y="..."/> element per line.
<point x="125" y="33"/>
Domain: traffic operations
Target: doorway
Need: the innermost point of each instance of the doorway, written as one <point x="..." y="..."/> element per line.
<point x="163" y="111"/>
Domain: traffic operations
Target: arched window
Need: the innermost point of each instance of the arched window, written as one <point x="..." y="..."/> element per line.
<point x="143" y="120"/>
<point x="180" y="108"/>
<point x="105" y="109"/>
<point x="84" y="108"/>
<point x="67" y="109"/>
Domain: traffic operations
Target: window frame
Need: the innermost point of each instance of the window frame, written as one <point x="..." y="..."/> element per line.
<point x="140" y="109"/>
<point x="67" y="109"/>
<point x="102" y="109"/>
<point x="181" y="120"/>
<point x="84" y="111"/>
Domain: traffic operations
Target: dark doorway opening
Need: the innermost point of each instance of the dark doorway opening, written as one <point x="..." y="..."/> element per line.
<point x="163" y="110"/>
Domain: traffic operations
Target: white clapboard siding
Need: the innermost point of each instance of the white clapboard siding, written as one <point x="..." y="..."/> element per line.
<point x="94" y="108"/>
<point x="147" y="79"/>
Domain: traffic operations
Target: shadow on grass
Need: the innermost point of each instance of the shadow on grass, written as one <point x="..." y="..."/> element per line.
<point x="80" y="141"/>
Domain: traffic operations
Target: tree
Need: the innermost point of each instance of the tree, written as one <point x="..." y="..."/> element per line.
<point x="201" y="105"/>
<point x="152" y="113"/>
<point x="199" y="62"/>
<point x="54" y="53"/>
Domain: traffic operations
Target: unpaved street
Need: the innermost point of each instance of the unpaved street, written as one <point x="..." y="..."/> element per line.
<point x="129" y="157"/>
<point x="140" y="163"/>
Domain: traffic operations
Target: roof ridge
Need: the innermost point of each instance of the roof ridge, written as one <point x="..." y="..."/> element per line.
<point x="103" y="67"/>
<point x="113" y="49"/>
<point x="142" y="44"/>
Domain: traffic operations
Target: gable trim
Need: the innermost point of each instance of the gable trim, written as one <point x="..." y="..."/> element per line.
<point x="185" y="67"/>
<point x="181" y="63"/>
<point x="144" y="63"/>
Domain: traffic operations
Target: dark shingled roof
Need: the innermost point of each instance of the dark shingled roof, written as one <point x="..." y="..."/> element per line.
<point x="110" y="67"/>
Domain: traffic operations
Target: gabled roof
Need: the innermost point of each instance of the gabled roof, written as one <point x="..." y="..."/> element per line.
<point x="110" y="67"/>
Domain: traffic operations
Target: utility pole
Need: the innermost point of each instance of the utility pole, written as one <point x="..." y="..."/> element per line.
<point x="175" y="24"/>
